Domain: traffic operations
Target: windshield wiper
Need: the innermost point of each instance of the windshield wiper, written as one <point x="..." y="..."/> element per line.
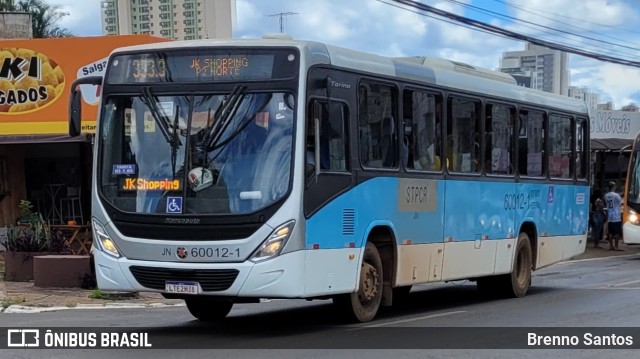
<point x="245" y="122"/>
<point x="223" y="115"/>
<point x="155" y="113"/>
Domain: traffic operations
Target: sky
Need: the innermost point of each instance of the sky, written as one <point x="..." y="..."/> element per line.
<point x="378" y="27"/>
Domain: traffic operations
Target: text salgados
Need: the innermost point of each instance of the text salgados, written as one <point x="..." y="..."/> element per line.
<point x="29" y="80"/>
<point x="141" y="184"/>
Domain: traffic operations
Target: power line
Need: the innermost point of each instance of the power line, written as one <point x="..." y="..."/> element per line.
<point x="539" y="12"/>
<point x="479" y="9"/>
<point x="508" y="17"/>
<point x="496" y="30"/>
<point x="282" y="16"/>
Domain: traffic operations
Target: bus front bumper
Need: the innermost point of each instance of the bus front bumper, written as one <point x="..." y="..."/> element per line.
<point x="630" y="233"/>
<point x="282" y="276"/>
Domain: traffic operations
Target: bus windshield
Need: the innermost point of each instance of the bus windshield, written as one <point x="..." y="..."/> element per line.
<point x="634" y="179"/>
<point x="196" y="154"/>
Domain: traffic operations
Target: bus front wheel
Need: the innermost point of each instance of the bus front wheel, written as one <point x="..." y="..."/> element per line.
<point x="208" y="310"/>
<point x="363" y="305"/>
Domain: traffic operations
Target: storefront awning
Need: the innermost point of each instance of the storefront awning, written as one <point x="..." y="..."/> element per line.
<point x="57" y="138"/>
<point x="611" y="144"/>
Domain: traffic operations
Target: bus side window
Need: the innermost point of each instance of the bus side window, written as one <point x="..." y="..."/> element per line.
<point x="421" y="144"/>
<point x="378" y="130"/>
<point x="560" y="149"/>
<point x="332" y="136"/>
<point x="581" y="148"/>
<point x="531" y="143"/>
<point x="463" y="136"/>
<point x="499" y="127"/>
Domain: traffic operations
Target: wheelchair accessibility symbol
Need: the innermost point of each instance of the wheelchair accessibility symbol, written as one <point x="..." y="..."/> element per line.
<point x="174" y="204"/>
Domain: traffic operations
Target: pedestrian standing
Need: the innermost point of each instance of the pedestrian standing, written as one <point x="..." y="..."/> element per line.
<point x="614" y="205"/>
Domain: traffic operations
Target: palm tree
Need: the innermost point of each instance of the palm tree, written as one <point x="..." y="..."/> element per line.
<point x="45" y="18"/>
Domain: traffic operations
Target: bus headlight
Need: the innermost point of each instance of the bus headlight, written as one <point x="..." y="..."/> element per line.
<point x="274" y="243"/>
<point x="103" y="241"/>
<point x="633" y="217"/>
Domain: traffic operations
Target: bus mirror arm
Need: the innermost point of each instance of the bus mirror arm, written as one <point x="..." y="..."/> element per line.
<point x="75" y="103"/>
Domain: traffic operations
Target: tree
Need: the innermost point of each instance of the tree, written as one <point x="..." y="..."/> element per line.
<point x="7" y="5"/>
<point x="632" y="107"/>
<point x="45" y="18"/>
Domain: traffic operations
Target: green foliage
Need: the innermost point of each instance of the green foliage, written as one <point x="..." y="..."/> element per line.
<point x="25" y="207"/>
<point x="36" y="236"/>
<point x="45" y="18"/>
<point x="7" y="302"/>
<point x="98" y="294"/>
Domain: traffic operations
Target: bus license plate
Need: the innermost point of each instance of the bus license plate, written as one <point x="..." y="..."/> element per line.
<point x="182" y="287"/>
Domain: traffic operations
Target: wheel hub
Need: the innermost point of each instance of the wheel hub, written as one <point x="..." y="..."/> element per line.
<point x="368" y="283"/>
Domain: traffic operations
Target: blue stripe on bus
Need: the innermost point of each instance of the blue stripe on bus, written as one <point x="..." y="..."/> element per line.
<point x="474" y="210"/>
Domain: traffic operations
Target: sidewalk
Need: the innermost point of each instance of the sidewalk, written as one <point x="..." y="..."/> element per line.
<point x="23" y="297"/>
<point x="591" y="252"/>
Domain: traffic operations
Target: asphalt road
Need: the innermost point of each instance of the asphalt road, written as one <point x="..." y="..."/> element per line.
<point x="601" y="293"/>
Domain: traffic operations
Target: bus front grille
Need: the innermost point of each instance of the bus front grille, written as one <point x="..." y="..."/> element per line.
<point x="211" y="280"/>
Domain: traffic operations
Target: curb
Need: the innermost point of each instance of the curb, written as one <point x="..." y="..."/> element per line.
<point x="600" y="258"/>
<point x="34" y="309"/>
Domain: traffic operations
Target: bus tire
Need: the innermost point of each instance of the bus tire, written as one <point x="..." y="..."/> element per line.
<point x="363" y="305"/>
<point x="209" y="310"/>
<point x="517" y="283"/>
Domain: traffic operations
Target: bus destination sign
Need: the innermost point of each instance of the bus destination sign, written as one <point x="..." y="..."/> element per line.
<point x="201" y="66"/>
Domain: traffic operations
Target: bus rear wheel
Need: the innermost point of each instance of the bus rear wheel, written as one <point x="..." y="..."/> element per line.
<point x="517" y="283"/>
<point x="209" y="310"/>
<point x="363" y="305"/>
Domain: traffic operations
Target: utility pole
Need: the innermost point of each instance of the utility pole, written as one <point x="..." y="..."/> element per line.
<point x="282" y="16"/>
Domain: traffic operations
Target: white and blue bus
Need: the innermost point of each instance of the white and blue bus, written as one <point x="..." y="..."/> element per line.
<point x="631" y="198"/>
<point x="229" y="171"/>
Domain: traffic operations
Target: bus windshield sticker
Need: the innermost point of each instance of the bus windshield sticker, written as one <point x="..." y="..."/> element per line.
<point x="415" y="195"/>
<point x="124" y="169"/>
<point x="149" y="122"/>
<point x="166" y="108"/>
<point x="174" y="204"/>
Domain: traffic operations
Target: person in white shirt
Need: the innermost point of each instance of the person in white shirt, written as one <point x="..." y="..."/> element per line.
<point x="613" y="202"/>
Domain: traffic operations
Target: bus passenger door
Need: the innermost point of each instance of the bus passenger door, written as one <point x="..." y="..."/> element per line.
<point x="327" y="171"/>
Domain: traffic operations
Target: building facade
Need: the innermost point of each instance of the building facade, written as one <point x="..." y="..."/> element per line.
<point x="15" y="25"/>
<point x="547" y="68"/>
<point x="592" y="99"/>
<point x="172" y="19"/>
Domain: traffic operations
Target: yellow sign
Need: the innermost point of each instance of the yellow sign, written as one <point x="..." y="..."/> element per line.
<point x="141" y="184"/>
<point x="35" y="74"/>
<point x="28" y="80"/>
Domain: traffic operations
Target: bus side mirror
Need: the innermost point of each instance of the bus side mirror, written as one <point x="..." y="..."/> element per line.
<point x="75" y="103"/>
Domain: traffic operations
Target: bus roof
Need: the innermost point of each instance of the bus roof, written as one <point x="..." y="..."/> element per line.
<point x="428" y="70"/>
